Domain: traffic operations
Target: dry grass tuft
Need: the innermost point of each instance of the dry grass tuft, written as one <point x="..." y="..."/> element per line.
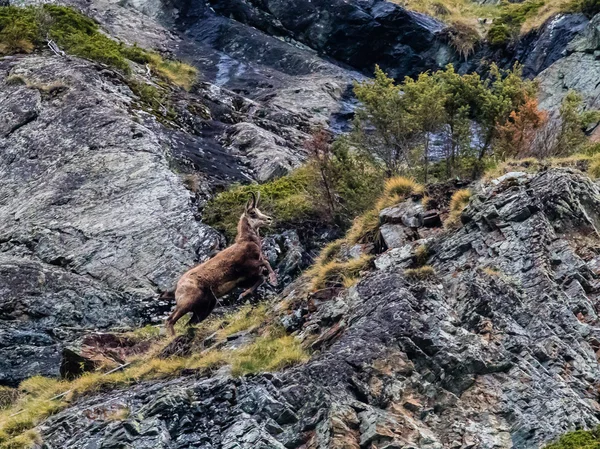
<point x="458" y="202"/>
<point x="402" y="187"/>
<point x="421" y="273"/>
<point x="421" y="255"/>
<point x="176" y="72"/>
<point x="333" y="273"/>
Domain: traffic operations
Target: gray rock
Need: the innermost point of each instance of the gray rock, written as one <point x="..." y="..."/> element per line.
<point x="409" y="213"/>
<point x="396" y="235"/>
<point x="395" y="257"/>
<point x="579" y="71"/>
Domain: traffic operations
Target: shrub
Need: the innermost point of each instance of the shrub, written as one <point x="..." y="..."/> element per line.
<point x="397" y="128"/>
<point x="421" y="273"/>
<point x="18" y="30"/>
<point x="286" y="199"/>
<point x="508" y="26"/>
<point x="302" y="198"/>
<point x="579" y="439"/>
<point x="499" y="34"/>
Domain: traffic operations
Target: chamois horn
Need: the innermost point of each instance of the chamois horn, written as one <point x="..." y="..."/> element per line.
<point x="253" y="199"/>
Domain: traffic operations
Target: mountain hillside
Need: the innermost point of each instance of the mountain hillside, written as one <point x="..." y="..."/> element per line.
<point x="459" y="311"/>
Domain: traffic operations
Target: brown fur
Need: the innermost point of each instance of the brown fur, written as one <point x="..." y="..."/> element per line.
<point x="240" y="265"/>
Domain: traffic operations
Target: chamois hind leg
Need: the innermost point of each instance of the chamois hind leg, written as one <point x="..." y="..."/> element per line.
<point x="204" y="307"/>
<point x="174" y="317"/>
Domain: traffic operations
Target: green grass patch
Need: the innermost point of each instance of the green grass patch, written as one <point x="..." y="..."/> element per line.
<point x="23" y="29"/>
<point x="286" y="199"/>
<point x="269" y="353"/>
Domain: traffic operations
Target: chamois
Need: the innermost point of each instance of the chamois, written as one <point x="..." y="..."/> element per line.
<point x="240" y="265"/>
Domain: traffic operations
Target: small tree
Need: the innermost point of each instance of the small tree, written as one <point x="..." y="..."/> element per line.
<point x="503" y="92"/>
<point x="319" y="149"/>
<point x="424" y="99"/>
<point x="516" y="137"/>
<point x="382" y="124"/>
<point x="573" y="123"/>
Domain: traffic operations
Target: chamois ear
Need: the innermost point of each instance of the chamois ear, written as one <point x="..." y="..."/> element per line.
<point x="251" y="204"/>
<point x="257" y="198"/>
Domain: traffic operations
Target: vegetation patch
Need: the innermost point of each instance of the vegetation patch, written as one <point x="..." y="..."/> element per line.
<point x="336" y="273"/>
<point x="24" y="29"/>
<point x="331" y="189"/>
<point x="365" y="227"/>
<point x="579" y="439"/>
<point x="269" y="353"/>
<point x="421" y="273"/>
<point x="396" y="122"/>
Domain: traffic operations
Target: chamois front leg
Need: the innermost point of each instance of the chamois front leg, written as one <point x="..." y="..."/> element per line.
<point x="252" y="289"/>
<point x="272" y="274"/>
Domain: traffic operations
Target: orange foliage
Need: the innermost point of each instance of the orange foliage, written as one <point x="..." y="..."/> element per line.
<point x="516" y="136"/>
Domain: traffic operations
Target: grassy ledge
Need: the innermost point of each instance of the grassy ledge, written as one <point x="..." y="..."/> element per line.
<point x="37" y="398"/>
<point x="25" y="29"/>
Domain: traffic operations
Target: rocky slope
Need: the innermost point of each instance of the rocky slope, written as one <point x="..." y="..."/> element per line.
<point x="497" y="350"/>
<point x="95" y="216"/>
<point x="99" y="212"/>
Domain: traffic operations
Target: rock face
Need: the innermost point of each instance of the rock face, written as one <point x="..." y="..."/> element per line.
<point x="497" y="351"/>
<point x="579" y="70"/>
<point x="541" y="48"/>
<point x="402" y="42"/>
<point x="92" y="219"/>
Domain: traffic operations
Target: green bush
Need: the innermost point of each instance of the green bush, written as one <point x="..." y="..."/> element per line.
<point x="298" y="199"/>
<point x="286" y="199"/>
<point x="18" y="30"/>
<point x="580" y="439"/>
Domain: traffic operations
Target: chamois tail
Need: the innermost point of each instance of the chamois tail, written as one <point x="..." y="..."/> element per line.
<point x="167" y="296"/>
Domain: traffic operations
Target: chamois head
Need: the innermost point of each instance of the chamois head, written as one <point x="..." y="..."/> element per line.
<point x="256" y="219"/>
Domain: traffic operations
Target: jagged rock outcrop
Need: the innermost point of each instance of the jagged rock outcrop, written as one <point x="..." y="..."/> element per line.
<point x="498" y="350"/>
